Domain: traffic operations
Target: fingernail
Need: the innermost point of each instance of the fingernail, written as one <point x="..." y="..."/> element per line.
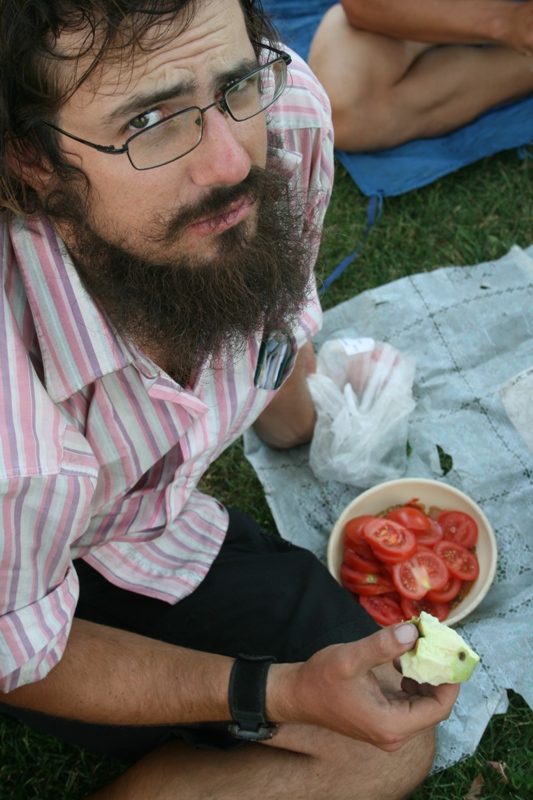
<point x="406" y="633"/>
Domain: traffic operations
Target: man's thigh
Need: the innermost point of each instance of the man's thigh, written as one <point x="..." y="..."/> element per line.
<point x="262" y="596"/>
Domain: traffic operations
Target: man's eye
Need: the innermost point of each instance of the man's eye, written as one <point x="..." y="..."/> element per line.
<point x="145" y="120"/>
<point x="247" y="84"/>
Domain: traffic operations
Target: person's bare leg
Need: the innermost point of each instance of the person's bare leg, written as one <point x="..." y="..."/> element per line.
<point x="328" y="767"/>
<point x="387" y="91"/>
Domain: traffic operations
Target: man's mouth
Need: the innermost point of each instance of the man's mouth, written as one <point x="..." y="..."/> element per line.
<point x="236" y="212"/>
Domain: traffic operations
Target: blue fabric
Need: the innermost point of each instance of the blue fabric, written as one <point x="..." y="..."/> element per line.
<point x="417" y="163"/>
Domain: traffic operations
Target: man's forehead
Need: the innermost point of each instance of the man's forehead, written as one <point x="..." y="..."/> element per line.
<point x="206" y="34"/>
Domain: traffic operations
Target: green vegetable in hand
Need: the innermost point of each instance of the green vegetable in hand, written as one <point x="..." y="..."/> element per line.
<point x="440" y="655"/>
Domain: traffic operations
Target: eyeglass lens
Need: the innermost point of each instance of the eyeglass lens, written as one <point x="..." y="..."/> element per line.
<point x="181" y="133"/>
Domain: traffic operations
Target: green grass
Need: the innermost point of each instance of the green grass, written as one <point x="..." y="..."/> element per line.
<point x="474" y="215"/>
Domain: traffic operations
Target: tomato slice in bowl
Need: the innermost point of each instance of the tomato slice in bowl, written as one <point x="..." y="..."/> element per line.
<point x="412" y="608"/>
<point x="383" y="609"/>
<point x="436" y="569"/>
<point x="407" y="578"/>
<point x="431" y="535"/>
<point x="361" y="561"/>
<point x="460" y="561"/>
<point x="450" y="590"/>
<point x="365" y="583"/>
<point x="416" y="576"/>
<point x="410" y="517"/>
<point x="458" y="527"/>
<point x="390" y="541"/>
<point x="354" y="527"/>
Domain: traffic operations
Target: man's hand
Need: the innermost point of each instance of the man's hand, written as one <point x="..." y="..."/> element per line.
<point x="347" y="689"/>
<point x="289" y="420"/>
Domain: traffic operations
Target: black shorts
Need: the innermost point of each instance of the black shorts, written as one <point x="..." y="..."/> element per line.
<point x="262" y="596"/>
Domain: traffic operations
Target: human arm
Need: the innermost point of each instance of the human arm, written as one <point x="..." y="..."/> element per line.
<point x="108" y="676"/>
<point x="447" y="21"/>
<point x="289" y="419"/>
<point x="111" y="676"/>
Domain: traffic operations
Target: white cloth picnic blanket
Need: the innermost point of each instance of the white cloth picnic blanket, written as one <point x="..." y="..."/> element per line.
<point x="470" y="330"/>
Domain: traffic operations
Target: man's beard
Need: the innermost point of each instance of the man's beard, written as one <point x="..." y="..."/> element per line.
<point x="193" y="309"/>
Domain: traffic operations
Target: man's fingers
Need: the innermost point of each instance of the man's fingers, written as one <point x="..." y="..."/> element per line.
<point x="433" y="705"/>
<point x="385" y="645"/>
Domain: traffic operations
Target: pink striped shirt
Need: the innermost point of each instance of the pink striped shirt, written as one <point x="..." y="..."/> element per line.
<point x="101" y="452"/>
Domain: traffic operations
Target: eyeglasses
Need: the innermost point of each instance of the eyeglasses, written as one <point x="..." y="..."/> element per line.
<point x="178" y="134"/>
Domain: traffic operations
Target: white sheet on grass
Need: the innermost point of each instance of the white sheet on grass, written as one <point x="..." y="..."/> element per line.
<point x="471" y="332"/>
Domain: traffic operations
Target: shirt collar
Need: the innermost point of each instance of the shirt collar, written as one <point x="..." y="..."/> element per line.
<point x="77" y="344"/>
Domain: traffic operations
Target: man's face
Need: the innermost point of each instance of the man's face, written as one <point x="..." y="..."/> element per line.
<point x="192" y="258"/>
<point x="135" y="208"/>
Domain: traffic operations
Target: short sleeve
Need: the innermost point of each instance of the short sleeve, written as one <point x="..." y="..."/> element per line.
<point x="33" y="638"/>
<point x="41" y="517"/>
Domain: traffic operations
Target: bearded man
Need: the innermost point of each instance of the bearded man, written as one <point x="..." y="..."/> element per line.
<point x="165" y="174"/>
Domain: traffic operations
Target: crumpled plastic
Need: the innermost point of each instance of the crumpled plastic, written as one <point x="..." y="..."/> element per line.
<point x="362" y="392"/>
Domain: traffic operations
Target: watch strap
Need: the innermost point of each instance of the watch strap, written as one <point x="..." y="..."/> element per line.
<point x="247" y="698"/>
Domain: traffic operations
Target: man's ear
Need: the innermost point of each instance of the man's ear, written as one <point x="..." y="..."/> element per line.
<point x="28" y="166"/>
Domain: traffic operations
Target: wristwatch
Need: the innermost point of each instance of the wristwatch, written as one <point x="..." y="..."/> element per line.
<point x="247" y="692"/>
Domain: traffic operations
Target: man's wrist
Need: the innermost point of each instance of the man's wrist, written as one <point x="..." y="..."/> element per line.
<point x="247" y="699"/>
<point x="281" y="693"/>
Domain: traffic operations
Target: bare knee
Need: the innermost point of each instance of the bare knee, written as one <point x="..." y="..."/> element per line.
<point x="380" y="775"/>
<point x="360" y="72"/>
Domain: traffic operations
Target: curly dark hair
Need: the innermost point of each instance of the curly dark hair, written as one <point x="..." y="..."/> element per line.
<point x="33" y="87"/>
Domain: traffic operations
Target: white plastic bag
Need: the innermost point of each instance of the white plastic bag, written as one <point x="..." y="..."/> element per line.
<point x="362" y="392"/>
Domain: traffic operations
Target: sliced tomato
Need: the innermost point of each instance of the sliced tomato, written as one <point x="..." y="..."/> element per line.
<point x="410" y="517"/>
<point x="390" y="560"/>
<point x="361" y="548"/>
<point x="354" y="527"/>
<point x="356" y="576"/>
<point x="383" y="609"/>
<point x="437" y="572"/>
<point x="416" y="576"/>
<point x="458" y="527"/>
<point x="432" y="535"/>
<point x="396" y="596"/>
<point x="409" y="579"/>
<point x="370" y="590"/>
<point x="389" y="540"/>
<point x="450" y="590"/>
<point x="365" y="583"/>
<point x="362" y="562"/>
<point x="460" y="561"/>
<point x="412" y="608"/>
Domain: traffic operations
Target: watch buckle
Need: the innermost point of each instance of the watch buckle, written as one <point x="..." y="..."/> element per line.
<point x="262" y="733"/>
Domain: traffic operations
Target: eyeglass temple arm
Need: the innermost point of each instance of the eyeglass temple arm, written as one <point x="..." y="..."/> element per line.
<point x="102" y="148"/>
<point x="281" y="53"/>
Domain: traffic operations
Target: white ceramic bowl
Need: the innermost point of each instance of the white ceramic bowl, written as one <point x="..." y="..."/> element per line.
<point x="430" y="493"/>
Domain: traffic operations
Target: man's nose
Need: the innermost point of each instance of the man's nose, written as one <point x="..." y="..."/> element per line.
<point x="221" y="158"/>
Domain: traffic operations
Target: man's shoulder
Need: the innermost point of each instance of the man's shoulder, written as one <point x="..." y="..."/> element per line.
<point x="304" y="103"/>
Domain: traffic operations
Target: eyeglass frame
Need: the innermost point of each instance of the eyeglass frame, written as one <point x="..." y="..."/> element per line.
<point x="222" y="102"/>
